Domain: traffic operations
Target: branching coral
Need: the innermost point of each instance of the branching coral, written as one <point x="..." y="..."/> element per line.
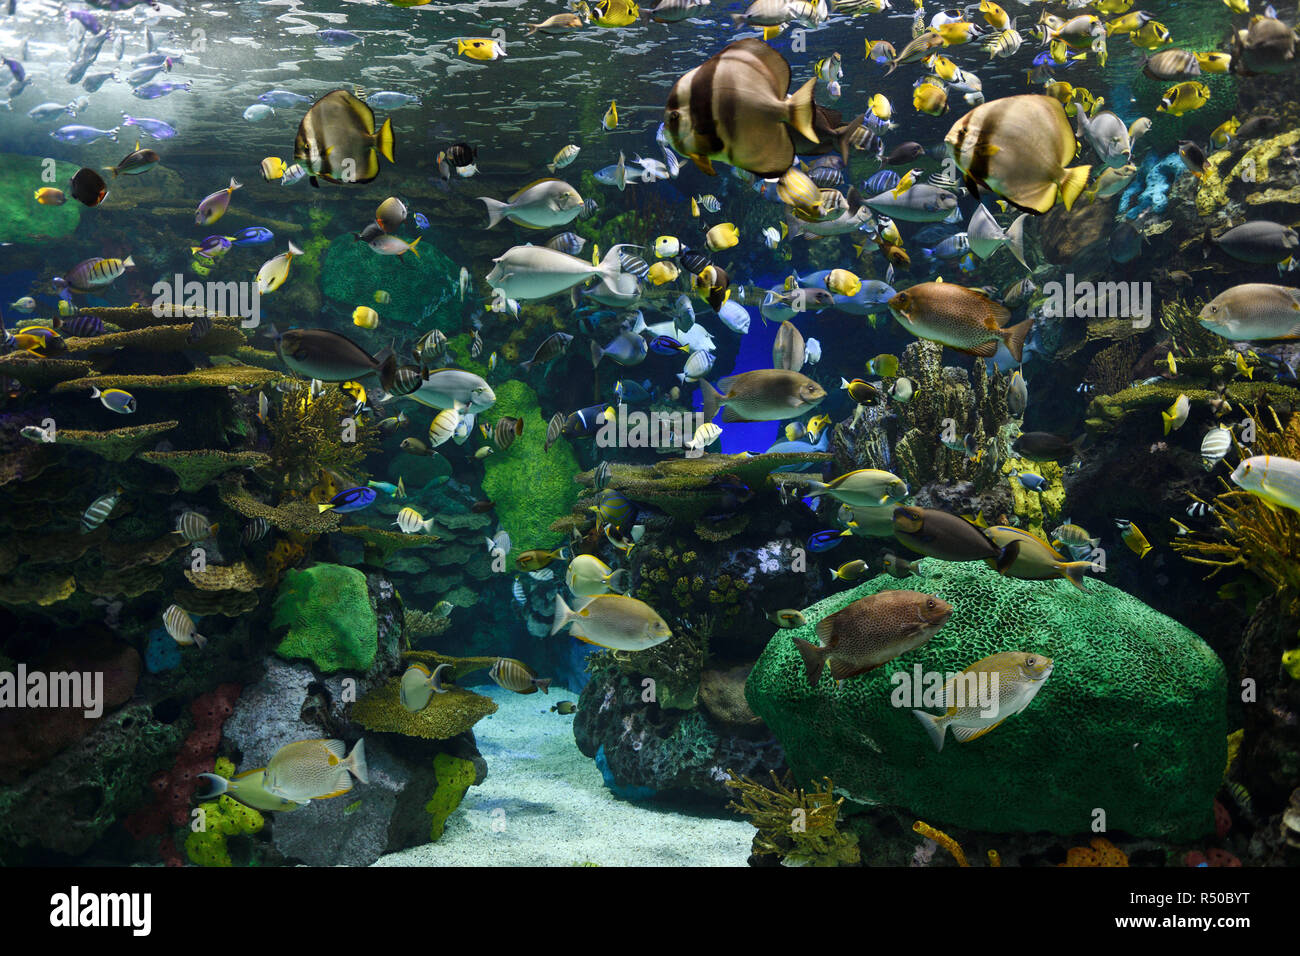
<point x="1248" y="532"/>
<point x="795" y="825"/>
<point x="309" y="434"/>
<point x="943" y="839"/>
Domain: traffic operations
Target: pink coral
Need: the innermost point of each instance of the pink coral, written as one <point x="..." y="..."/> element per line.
<point x="174" y="788"/>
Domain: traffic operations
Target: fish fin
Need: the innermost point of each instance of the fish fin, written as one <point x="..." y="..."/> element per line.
<point x="385" y="140"/>
<point x="814" y="659"/>
<point x="967" y="734"/>
<point x="563" y="614"/>
<point x="200" y="641"/>
<point x="218" y="784"/>
<point x="732" y="417"/>
<point x="356" y="762"/>
<point x="801" y="111"/>
<point x="983" y="350"/>
<point x="1016" y="235"/>
<point x="618" y="581"/>
<point x="596" y="353"/>
<point x="711" y="398"/>
<point x="934" y="726"/>
<point x="1014" y="338"/>
<point x="1072" y="184"/>
<point x="336" y="793"/>
<point x="1007" y="557"/>
<point x="704" y="164"/>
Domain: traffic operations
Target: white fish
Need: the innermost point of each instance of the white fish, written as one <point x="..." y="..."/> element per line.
<point x="734" y="316"/>
<point x="704" y="436"/>
<point x="275" y="270"/>
<point x="771" y="238"/>
<point x="698" y="365"/>
<point x="1215" y="445"/>
<point x="1276" y="480"/>
<point x="812" y="352"/>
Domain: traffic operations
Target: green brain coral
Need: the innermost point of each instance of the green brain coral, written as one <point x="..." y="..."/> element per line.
<point x="330" y="618"/>
<point x="1132" y="721"/>
<point x="531" y="487"/>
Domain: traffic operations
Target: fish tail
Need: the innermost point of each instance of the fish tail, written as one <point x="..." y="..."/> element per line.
<point x="711" y="398"/>
<point x="563" y="614"/>
<point x="801" y="111"/>
<point x="356" y="762"/>
<point x="934" y="726"/>
<point x="618" y="581"/>
<point x="385" y="140"/>
<point x="388" y="370"/>
<point x="200" y="641"/>
<point x="1016" y="235"/>
<point x="1168" y="420"/>
<point x="1073" y="572"/>
<point x="544" y="685"/>
<point x="1072" y="184"/>
<point x="411" y="247"/>
<point x="495" y="210"/>
<point x="1007" y="557"/>
<point x="814" y="659"/>
<point x="596" y="353"/>
<point x="216" y="782"/>
<point x="1015" y="336"/>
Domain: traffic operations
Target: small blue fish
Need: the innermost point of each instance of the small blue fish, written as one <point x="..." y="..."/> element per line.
<point x="337" y="37"/>
<point x="86" y="19"/>
<point x="1032" y="481"/>
<point x="387" y="487"/>
<point x="154" y="127"/>
<point x="351" y="499"/>
<point x="151" y="91"/>
<point x="251" y="236"/>
<point x="631" y="393"/>
<point x="83" y="134"/>
<point x="666" y="345"/>
<point x="213" y="247"/>
<point x="820" y="541"/>
<point x="421" y="221"/>
<point x="282" y="98"/>
<point x="885" y="179"/>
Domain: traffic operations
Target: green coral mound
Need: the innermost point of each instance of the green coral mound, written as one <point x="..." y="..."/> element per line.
<point x="1132" y="721"/>
<point x="529" y="485"/>
<point x="22" y="218"/>
<point x="455" y="776"/>
<point x="222" y="819"/>
<point x="424" y="291"/>
<point x="330" y="618"/>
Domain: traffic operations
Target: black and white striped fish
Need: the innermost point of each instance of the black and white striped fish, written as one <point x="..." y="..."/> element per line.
<point x="193" y="526"/>
<point x="406" y="380"/>
<point x="517" y="676"/>
<point x="553" y="430"/>
<point x="99" y="511"/>
<point x="255" y="530"/>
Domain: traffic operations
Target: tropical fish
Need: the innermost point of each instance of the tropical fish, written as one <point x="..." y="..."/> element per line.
<point x="517" y="676"/>
<point x="315" y="770"/>
<point x="181" y="627"/>
<point x="872" y="631"/>
<point x="613" y="621"/>
<point x="337" y="140"/>
<point x="1016" y="677"/>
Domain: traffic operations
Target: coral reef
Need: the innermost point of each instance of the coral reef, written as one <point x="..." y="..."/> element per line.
<point x="796" y="826"/>
<point x="529" y="486"/>
<point x="198" y="468"/>
<point x="330" y="618"/>
<point x="1124" y="674"/>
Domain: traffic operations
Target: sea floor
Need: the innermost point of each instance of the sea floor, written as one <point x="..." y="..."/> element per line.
<point x="554" y="808"/>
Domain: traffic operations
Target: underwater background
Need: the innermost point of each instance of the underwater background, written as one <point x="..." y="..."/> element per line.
<point x="331" y="590"/>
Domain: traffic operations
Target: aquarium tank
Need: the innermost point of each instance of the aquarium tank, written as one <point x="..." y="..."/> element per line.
<point x="830" y="433"/>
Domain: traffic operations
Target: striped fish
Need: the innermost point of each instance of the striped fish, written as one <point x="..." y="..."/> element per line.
<point x="443" y="426"/>
<point x="517" y="676"/>
<point x="567" y="242"/>
<point x="600" y="477"/>
<point x="431" y="345"/>
<point x="99" y="511"/>
<point x="82" y="326"/>
<point x="475" y="345"/>
<point x="634" y="264"/>
<point x="588" y="209"/>
<point x="181" y="627"/>
<point x="255" y="530"/>
<point x="406" y="380"/>
<point x="553" y="430"/>
<point x="97" y="272"/>
<point x="710" y="202"/>
<point x="556" y="344"/>
<point x="198" y="329"/>
<point x="506" y="431"/>
<point x="193" y="526"/>
<point x="517" y="589"/>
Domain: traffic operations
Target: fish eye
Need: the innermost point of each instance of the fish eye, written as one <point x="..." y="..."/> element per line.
<point x="930" y="603"/>
<point x="1031" y="661"/>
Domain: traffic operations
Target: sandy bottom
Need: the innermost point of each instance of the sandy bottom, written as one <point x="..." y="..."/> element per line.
<point x="544" y="804"/>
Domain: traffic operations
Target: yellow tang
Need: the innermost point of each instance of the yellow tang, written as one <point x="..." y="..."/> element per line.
<point x="929" y="98"/>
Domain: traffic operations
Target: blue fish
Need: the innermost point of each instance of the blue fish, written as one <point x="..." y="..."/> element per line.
<point x="585" y="421"/>
<point x="631" y="393"/>
<point x="338" y="37"/>
<point x="885" y="179"/>
<point x="251" y="236"/>
<point x="820" y="541"/>
<point x="628" y="348"/>
<point x="154" y="127"/>
<point x="351" y="499"/>
<point x="151" y="91"/>
<point x="82" y="325"/>
<point x="1032" y="481"/>
<point x="666" y="345"/>
<point x="421" y="221"/>
<point x="283" y="98"/>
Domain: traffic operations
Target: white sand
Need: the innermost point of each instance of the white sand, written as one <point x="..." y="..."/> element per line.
<point x="545" y="804"/>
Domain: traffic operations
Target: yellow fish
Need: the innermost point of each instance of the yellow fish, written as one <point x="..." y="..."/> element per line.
<point x="944" y="67"/>
<point x="1213" y="62"/>
<point x="365" y="317"/>
<point x="955" y="34"/>
<point x="1244" y="368"/>
<point x="1238" y="6"/>
<point x="994" y="15"/>
<point x="906" y="182"/>
<point x="479" y="48"/>
<point x="1110" y="7"/>
<point x="880" y="106"/>
<point x="1135" y="539"/>
<point x="273" y="168"/>
<point x="1225" y="131"/>
<point x="1152" y="35"/>
<point x="930" y="99"/>
<point x="843" y="282"/>
<point x="615" y="13"/>
<point x="661" y="272"/>
<point x="610" y="119"/>
<point x="1183" y="98"/>
<point x="722" y="236"/>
